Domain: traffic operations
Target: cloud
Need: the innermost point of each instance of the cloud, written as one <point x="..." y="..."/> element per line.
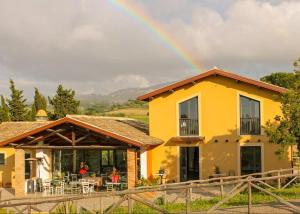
<point x="249" y="32"/>
<point x="94" y="46"/>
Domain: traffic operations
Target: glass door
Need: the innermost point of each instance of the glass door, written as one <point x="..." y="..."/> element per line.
<point x="189" y="163"/>
<point x="250" y="159"/>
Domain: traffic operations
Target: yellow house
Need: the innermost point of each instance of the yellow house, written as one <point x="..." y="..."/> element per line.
<point x="212" y="124"/>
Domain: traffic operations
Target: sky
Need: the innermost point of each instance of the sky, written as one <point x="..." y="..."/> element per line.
<point x="94" y="46"/>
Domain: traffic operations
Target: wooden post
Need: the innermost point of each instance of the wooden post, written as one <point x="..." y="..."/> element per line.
<point x="221" y="188"/>
<point x="29" y="209"/>
<point x="130" y="207"/>
<point x="249" y="197"/>
<point x="165" y="196"/>
<point x="101" y="205"/>
<point x="188" y="200"/>
<point x="74" y="151"/>
<point x="279" y="179"/>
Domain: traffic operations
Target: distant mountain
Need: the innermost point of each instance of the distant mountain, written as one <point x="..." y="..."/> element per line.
<point x="119" y="96"/>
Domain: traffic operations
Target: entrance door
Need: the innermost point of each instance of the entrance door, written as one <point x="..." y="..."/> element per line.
<point x="250" y="159"/>
<point x="189" y="163"/>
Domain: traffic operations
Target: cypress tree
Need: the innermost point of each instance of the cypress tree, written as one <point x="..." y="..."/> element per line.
<point x="64" y="102"/>
<point x="4" y="110"/>
<point x="16" y="103"/>
<point x="40" y="101"/>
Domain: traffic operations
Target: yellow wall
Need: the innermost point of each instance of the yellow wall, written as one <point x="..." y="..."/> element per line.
<point x="218" y="120"/>
<point x="7" y="171"/>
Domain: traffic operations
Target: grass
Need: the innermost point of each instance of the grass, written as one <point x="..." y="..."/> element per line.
<point x="140" y="114"/>
<point x="202" y="205"/>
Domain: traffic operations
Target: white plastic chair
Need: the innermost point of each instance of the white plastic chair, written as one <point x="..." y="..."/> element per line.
<point x="92" y="184"/>
<point x="85" y="187"/>
<point x="47" y="188"/>
<point x="61" y="188"/>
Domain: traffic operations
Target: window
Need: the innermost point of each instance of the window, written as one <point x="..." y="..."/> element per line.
<point x="188" y="121"/>
<point x="250" y="159"/>
<point x="2" y="158"/>
<point x="107" y="157"/>
<point x="249" y="116"/>
<point x="27" y="166"/>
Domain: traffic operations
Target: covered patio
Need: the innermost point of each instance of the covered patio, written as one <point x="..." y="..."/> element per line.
<point x="49" y="157"/>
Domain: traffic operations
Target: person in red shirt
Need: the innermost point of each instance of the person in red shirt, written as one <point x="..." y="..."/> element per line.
<point x="83" y="169"/>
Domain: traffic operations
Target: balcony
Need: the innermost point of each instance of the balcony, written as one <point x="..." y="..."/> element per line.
<point x="250" y="126"/>
<point x="188" y="127"/>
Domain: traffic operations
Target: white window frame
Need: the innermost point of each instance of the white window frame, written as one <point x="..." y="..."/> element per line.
<point x="199" y="114"/>
<point x="178" y="160"/>
<point x="238" y="122"/>
<point x="262" y="152"/>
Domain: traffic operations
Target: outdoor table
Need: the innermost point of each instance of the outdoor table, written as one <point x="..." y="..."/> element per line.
<point x="98" y="181"/>
<point x="114" y="184"/>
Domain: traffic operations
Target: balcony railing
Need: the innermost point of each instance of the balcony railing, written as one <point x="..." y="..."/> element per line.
<point x="250" y="126"/>
<point x="188" y="127"/>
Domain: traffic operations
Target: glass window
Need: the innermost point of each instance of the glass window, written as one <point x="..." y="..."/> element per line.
<point x="104" y="157"/>
<point x="2" y="158"/>
<point x="27" y="166"/>
<point x="249" y="116"/>
<point x="188" y="121"/>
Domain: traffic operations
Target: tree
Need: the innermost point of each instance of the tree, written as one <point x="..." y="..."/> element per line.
<point x="285" y="129"/>
<point x="4" y="111"/>
<point x="64" y="102"/>
<point x="282" y="79"/>
<point x="285" y="79"/>
<point x="16" y="103"/>
<point x="39" y="103"/>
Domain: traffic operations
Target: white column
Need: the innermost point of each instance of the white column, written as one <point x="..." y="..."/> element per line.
<point x="43" y="169"/>
<point x="143" y="161"/>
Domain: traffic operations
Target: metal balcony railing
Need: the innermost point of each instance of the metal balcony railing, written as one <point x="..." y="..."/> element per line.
<point x="188" y="127"/>
<point x="250" y="126"/>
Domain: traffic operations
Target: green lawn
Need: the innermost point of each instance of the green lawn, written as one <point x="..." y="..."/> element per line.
<point x="201" y="205"/>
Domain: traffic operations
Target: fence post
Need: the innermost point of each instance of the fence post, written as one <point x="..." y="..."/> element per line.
<point x="29" y="209"/>
<point x="279" y="179"/>
<point x="188" y="200"/>
<point x="249" y="196"/>
<point x="130" y="207"/>
<point x="221" y="188"/>
<point x="165" y="196"/>
<point x="101" y="205"/>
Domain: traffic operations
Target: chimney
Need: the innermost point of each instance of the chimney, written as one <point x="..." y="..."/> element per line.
<point x="41" y="115"/>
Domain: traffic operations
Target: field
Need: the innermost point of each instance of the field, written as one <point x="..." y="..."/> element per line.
<point x="140" y="114"/>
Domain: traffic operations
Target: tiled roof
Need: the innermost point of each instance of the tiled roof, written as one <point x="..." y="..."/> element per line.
<point x="124" y="129"/>
<point x="212" y="72"/>
<point x="9" y="130"/>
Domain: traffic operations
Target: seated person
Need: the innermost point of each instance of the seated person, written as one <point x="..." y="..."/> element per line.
<point x="83" y="169"/>
<point x="115" y="175"/>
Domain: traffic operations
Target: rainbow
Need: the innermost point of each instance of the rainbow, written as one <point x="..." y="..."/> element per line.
<point x="158" y="30"/>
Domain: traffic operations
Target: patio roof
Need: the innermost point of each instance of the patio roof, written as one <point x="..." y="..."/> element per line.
<point x="124" y="129"/>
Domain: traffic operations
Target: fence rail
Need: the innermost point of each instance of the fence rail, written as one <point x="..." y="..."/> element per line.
<point x="258" y="181"/>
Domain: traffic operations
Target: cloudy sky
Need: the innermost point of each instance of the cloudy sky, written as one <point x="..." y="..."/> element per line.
<point x="94" y="46"/>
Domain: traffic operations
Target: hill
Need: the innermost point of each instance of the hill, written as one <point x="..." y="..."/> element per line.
<point x="119" y="96"/>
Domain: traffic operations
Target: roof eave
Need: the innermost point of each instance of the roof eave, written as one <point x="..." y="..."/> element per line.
<point x="148" y="96"/>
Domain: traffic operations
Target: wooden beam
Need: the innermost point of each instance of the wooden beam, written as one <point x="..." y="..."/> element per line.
<point x="74" y="147"/>
<point x="63" y="137"/>
<point x="82" y="138"/>
<point x="36" y="139"/>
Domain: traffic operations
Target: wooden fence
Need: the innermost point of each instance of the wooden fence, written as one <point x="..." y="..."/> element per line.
<point x="260" y="181"/>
